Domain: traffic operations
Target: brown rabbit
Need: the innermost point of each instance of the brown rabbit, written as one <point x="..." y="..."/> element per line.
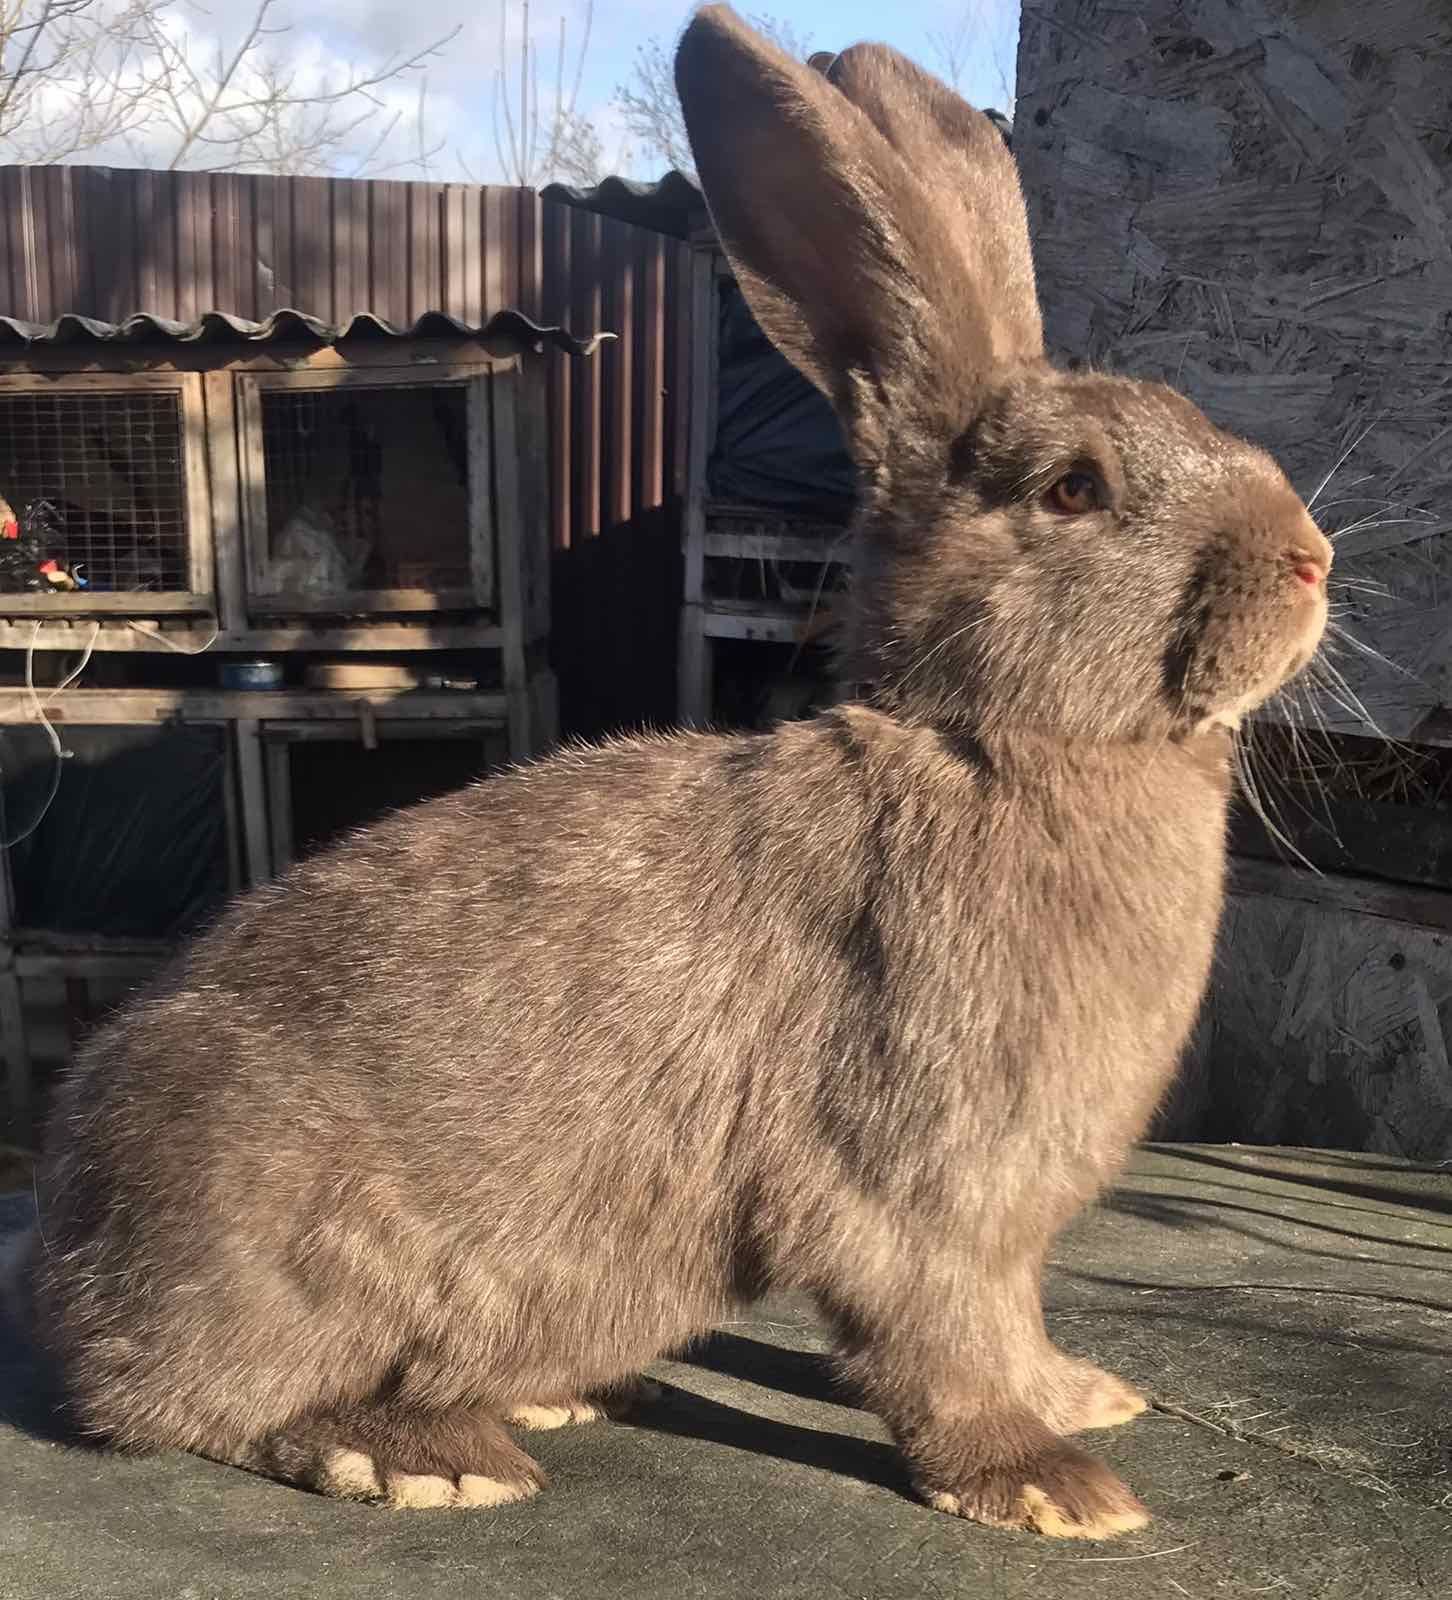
<point x="467" y="1120"/>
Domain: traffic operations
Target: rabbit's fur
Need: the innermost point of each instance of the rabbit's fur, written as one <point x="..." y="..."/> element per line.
<point x="495" y="1102"/>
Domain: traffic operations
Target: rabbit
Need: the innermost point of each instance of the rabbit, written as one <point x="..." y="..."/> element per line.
<point x="464" y="1122"/>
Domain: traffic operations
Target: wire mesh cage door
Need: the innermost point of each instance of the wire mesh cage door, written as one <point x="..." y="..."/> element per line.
<point x="103" y="493"/>
<point x="368" y="491"/>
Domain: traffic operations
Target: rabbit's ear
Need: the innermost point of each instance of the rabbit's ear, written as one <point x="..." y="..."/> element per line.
<point x="853" y="266"/>
<point x="959" y="156"/>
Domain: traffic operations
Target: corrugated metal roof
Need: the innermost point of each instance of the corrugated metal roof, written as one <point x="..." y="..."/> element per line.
<point x="106" y="242"/>
<point x="669" y="205"/>
<point x="217" y="327"/>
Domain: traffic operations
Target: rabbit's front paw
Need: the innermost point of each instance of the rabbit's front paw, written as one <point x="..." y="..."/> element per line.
<point x="1060" y="1492"/>
<point x="1107" y="1402"/>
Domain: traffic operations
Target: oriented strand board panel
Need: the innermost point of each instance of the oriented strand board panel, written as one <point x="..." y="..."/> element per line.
<point x="1324" y="1027"/>
<point x="1252" y="199"/>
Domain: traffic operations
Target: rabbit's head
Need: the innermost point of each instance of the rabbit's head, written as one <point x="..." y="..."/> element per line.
<point x="1077" y="552"/>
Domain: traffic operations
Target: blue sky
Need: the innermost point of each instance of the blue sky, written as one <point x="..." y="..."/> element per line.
<point x="461" y="83"/>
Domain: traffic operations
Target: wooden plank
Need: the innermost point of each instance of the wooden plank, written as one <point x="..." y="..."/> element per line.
<point x="117" y="380"/>
<point x="7" y="880"/>
<point x="279" y="801"/>
<point x="78" y="1009"/>
<point x="45" y="941"/>
<point x="131" y="707"/>
<point x="201" y="570"/>
<point x="84" y="965"/>
<point x="1421" y="908"/>
<point x="1344" y="836"/>
<point x="481" y="492"/>
<point x="511" y="535"/>
<point x="252" y="478"/>
<point x="85" y="604"/>
<point x="226" y="510"/>
<point x="776" y="547"/>
<point x="391" y="728"/>
<point x="371" y="636"/>
<point x="232" y="820"/>
<point x="252" y="793"/>
<point x="19" y="1088"/>
<point x="143" y="635"/>
<point x="428" y="367"/>
<point x="544" y="710"/>
<point x="534" y="496"/>
<point x="695" y="690"/>
<point x="350" y="602"/>
<point x="772" y="627"/>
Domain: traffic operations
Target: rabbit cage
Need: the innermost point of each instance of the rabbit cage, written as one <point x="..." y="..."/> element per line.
<point x="1251" y="200"/>
<point x="275" y="547"/>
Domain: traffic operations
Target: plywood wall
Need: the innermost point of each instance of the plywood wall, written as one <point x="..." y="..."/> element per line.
<point x="1253" y="199"/>
<point x="1328" y="1023"/>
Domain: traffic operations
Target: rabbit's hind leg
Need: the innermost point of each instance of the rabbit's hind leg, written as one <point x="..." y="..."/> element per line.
<point x="401" y="1456"/>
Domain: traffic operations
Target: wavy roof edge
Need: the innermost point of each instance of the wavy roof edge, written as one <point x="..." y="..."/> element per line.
<point x="668" y="205"/>
<point x="221" y="327"/>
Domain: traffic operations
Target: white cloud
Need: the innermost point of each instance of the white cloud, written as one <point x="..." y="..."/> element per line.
<point x="326" y="40"/>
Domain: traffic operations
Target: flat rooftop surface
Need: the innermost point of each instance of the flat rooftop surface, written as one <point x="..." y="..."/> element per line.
<point x="1289" y="1311"/>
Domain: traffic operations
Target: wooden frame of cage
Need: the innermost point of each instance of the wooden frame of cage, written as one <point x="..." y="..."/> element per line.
<point x="218" y="381"/>
<point x="279" y="736"/>
<point x="490" y="405"/>
<point x="198" y="598"/>
<point x="257" y="817"/>
<point x="225" y="618"/>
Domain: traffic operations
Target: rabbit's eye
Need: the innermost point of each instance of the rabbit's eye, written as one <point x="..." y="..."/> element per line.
<point x="1073" y="495"/>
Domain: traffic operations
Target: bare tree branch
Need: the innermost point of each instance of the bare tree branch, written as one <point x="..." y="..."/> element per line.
<point x="974" y="38"/>
<point x="534" y="145"/>
<point x="81" y="77"/>
<point x="647" y="100"/>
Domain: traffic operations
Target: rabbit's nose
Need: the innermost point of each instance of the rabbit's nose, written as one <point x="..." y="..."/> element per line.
<point x="1309" y="558"/>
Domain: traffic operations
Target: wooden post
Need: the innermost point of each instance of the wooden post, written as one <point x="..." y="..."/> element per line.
<point x="526" y="739"/>
<point x="196" y="447"/>
<point x="277" y="760"/>
<point x="252" y="783"/>
<point x="231" y="579"/>
<point x="19" y="1088"/>
<point x="695" y="649"/>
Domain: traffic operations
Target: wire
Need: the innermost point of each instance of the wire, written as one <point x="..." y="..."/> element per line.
<point x="62" y="755"/>
<point x="171" y="644"/>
